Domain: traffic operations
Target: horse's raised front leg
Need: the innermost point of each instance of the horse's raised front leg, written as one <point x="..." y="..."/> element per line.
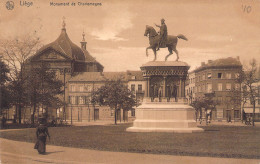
<point x="176" y="51"/>
<point x="170" y="52"/>
<point x="147" y="50"/>
<point x="154" y="51"/>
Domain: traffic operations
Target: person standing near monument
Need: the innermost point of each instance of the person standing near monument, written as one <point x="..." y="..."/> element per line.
<point x="163" y="34"/>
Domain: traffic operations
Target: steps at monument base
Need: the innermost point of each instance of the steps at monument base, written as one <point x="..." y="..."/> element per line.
<point x="164" y="123"/>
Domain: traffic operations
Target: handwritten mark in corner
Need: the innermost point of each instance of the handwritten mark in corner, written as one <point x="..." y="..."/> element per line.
<point x="9" y="5"/>
<point x="247" y="8"/>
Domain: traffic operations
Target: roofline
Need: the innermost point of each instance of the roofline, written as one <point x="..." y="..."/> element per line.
<point x="214" y="67"/>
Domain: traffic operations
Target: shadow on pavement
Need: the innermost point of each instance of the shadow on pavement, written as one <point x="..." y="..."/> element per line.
<point x="47" y="153"/>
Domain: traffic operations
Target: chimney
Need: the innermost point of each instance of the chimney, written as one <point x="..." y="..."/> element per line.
<point x="83" y="42"/>
<point x="238" y="58"/>
<point x="202" y="63"/>
<point x="209" y="61"/>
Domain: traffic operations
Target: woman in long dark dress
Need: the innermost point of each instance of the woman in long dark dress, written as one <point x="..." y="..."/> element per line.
<point x="41" y="133"/>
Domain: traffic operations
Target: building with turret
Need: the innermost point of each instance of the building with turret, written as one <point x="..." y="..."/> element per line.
<point x="67" y="60"/>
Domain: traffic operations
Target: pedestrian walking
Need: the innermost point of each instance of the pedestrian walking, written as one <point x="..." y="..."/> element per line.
<point x="41" y="134"/>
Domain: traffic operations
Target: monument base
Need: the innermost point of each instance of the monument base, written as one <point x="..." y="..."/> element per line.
<point x="175" y="117"/>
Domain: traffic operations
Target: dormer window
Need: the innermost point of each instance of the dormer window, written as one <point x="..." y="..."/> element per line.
<point x="133" y="77"/>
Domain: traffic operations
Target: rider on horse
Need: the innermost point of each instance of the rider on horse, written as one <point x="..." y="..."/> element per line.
<point x="163" y="34"/>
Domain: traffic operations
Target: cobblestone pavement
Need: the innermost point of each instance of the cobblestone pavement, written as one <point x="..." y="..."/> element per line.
<point x="22" y="152"/>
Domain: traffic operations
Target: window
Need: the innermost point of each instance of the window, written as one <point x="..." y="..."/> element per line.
<point x="236" y="114"/>
<point x="72" y="88"/>
<point x="220" y="75"/>
<point x="228" y="86"/>
<point x="219" y="99"/>
<point x="209" y="75"/>
<point x="228" y="75"/>
<point x="220" y="113"/>
<point x="140" y="87"/>
<point x="81" y="88"/>
<point x="199" y="78"/>
<point x="219" y="86"/>
<point x="87" y="88"/>
<point x="237" y="86"/>
<point x="209" y="88"/>
<point x="132" y="87"/>
<point x="236" y="75"/>
<point x="228" y="99"/>
<point x="133" y="112"/>
<point x="72" y="99"/>
<point x="81" y="100"/>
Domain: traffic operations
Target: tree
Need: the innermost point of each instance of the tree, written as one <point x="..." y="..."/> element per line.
<point x="114" y="94"/>
<point x="249" y="78"/>
<point x="198" y="105"/>
<point x="43" y="88"/>
<point x="15" y="53"/>
<point x="4" y="93"/>
<point x="208" y="103"/>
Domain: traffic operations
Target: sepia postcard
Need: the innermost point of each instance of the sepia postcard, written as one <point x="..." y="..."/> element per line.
<point x="130" y="81"/>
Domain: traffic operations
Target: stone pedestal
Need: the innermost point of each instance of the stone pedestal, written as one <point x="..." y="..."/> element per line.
<point x="174" y="117"/>
<point x="164" y="108"/>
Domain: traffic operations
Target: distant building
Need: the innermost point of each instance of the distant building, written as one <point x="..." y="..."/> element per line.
<point x="219" y="78"/>
<point x="67" y="60"/>
<point x="81" y="86"/>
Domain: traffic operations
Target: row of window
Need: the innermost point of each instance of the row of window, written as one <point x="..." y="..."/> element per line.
<point x="139" y="87"/>
<point x="82" y="88"/>
<point x="220" y="75"/>
<point x="220" y="113"/>
<point x="89" y="88"/>
<point x="208" y="87"/>
<point x="79" y="100"/>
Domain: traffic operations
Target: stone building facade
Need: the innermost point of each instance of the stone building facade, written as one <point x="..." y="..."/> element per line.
<point x="219" y="78"/>
<point x="67" y="60"/>
<point x="81" y="86"/>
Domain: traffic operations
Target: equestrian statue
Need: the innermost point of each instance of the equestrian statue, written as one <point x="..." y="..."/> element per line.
<point x="162" y="40"/>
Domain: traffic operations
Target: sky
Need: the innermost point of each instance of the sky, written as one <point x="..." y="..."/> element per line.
<point x="115" y="30"/>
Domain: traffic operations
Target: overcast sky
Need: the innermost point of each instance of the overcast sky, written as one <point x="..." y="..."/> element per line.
<point x="115" y="30"/>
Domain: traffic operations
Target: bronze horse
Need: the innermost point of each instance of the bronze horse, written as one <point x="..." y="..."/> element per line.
<point x="154" y="41"/>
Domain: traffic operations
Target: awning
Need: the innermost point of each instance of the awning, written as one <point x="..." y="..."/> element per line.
<point x="250" y="110"/>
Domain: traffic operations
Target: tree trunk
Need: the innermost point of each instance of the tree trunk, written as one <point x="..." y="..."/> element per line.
<point x="253" y="117"/>
<point x="20" y="113"/>
<point x="115" y="115"/>
<point x="200" y="115"/>
<point x="34" y="110"/>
